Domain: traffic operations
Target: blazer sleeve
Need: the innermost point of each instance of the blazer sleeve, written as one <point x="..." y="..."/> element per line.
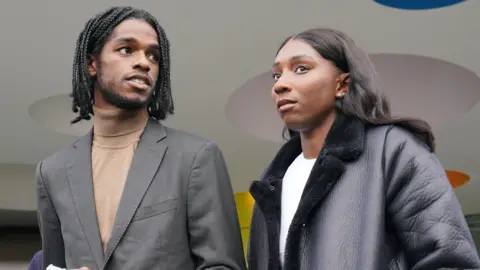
<point x="214" y="230"/>
<point x="423" y="209"/>
<point x="52" y="240"/>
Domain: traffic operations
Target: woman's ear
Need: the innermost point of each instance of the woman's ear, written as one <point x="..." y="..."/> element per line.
<point x="343" y="82"/>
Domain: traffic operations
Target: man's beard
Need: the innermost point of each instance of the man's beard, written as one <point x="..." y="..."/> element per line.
<point x="116" y="99"/>
<point x="122" y="102"/>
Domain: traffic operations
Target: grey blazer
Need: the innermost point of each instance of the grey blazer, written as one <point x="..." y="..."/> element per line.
<point x="177" y="210"/>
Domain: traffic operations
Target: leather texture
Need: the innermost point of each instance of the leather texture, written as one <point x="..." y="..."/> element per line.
<point x="377" y="198"/>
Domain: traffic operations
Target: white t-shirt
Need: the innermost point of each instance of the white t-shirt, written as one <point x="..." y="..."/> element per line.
<point x="294" y="182"/>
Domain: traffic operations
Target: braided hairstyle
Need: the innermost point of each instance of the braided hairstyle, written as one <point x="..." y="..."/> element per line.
<point x="91" y="41"/>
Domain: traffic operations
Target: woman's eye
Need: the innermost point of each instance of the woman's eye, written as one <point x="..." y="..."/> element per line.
<point x="301" y="69"/>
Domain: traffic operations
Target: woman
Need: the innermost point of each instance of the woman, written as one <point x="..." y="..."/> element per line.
<point x="353" y="188"/>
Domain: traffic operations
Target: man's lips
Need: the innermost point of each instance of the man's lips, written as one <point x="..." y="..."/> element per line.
<point x="138" y="84"/>
<point x="140" y="79"/>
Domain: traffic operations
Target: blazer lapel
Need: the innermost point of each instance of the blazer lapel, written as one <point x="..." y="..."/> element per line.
<point x="145" y="163"/>
<point x="79" y="174"/>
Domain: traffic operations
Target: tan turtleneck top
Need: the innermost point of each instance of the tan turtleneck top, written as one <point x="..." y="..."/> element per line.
<point x="115" y="138"/>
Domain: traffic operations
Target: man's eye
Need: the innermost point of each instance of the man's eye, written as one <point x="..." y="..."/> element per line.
<point x="153" y="57"/>
<point x="125" y="50"/>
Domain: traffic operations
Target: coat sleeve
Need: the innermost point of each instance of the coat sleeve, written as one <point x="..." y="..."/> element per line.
<point x="50" y="230"/>
<point x="214" y="230"/>
<point x="423" y="209"/>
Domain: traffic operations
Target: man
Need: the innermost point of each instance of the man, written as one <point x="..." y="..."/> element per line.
<point x="134" y="194"/>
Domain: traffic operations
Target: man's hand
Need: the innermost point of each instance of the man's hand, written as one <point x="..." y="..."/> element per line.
<point x="84" y="268"/>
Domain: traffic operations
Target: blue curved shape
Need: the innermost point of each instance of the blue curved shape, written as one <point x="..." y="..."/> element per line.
<point x="418" y="4"/>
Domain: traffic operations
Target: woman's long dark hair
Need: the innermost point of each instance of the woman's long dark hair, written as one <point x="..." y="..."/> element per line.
<point x="363" y="100"/>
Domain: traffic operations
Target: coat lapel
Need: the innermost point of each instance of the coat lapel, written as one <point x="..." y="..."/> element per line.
<point x="79" y="174"/>
<point x="268" y="198"/>
<point x="147" y="158"/>
<point x="344" y="142"/>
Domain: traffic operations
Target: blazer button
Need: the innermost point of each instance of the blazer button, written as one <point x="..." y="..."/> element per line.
<point x="272" y="188"/>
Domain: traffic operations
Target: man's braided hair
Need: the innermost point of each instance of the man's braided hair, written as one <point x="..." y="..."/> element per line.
<point x="91" y="41"/>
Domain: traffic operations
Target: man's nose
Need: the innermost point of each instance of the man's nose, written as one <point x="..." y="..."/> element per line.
<point x="142" y="63"/>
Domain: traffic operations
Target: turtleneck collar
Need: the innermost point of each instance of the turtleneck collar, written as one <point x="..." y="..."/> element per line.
<point x="114" y="122"/>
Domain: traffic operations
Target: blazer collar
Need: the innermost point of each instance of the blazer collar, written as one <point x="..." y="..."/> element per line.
<point x="146" y="160"/>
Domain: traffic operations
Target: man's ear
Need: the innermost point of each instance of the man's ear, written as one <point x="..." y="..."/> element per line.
<point x="92" y="65"/>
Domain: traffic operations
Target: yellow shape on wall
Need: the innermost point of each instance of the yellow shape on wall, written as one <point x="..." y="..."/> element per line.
<point x="244" y="202"/>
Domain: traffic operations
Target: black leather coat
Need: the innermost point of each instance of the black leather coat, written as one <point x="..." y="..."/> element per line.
<point x="377" y="198"/>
